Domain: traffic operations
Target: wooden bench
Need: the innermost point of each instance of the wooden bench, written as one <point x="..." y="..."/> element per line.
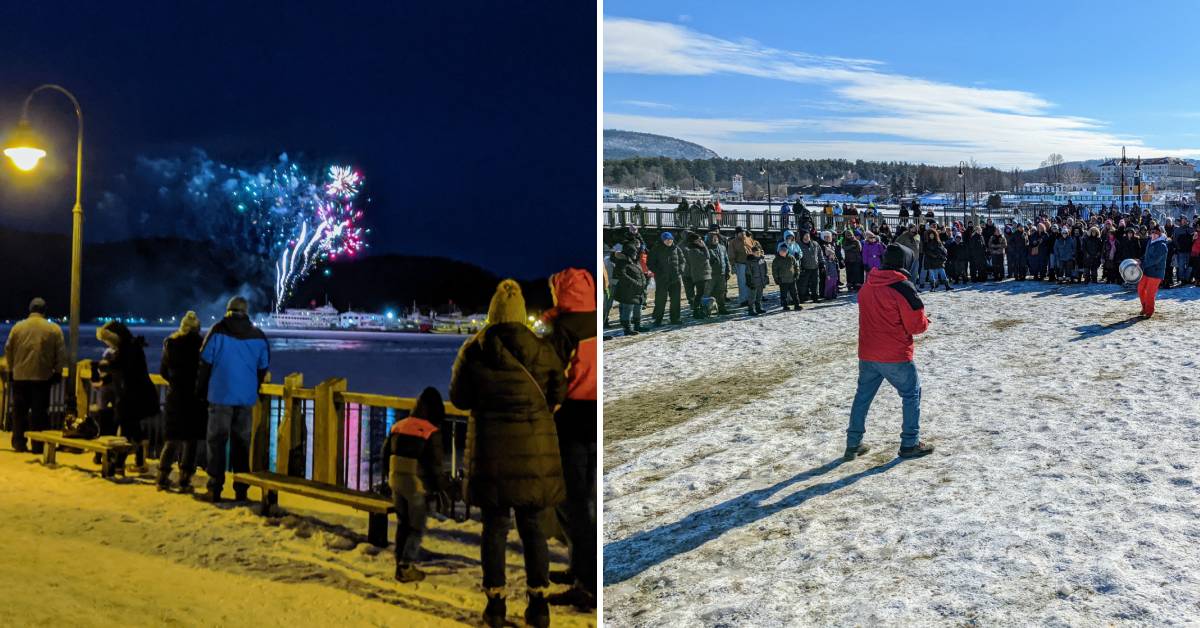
<point x="272" y="484"/>
<point x="106" y="448"/>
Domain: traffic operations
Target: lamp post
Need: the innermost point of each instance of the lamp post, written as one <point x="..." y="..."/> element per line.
<point x="1137" y="179"/>
<point x="762" y="169"/>
<point x="23" y="150"/>
<point x="1123" y="164"/>
<point x="963" y="181"/>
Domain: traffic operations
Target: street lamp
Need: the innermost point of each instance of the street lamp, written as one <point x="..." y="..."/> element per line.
<point x="1137" y="179"/>
<point x="1123" y="164"/>
<point x="963" y="181"/>
<point x="762" y="169"/>
<point x="24" y="151"/>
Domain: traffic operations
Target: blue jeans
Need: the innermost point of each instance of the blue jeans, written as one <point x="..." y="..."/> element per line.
<point x="933" y="276"/>
<point x="1184" y="265"/>
<point x="743" y="289"/>
<point x="903" y="377"/>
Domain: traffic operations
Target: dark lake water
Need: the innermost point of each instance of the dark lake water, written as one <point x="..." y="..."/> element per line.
<point x="383" y="363"/>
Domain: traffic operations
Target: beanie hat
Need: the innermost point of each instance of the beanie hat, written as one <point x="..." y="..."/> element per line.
<point x="783" y="246"/>
<point x="738" y="229"/>
<point x="237" y="304"/>
<point x="666" y="235"/>
<point x="38" y="304"/>
<point x="693" y="237"/>
<point x="508" y="304"/>
<point x="897" y="257"/>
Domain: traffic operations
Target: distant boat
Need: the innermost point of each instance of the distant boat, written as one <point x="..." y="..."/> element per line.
<point x="328" y="318"/>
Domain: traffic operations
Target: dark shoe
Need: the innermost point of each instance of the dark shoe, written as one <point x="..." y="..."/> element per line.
<point x="185" y="485"/>
<point x="851" y="454"/>
<point x="575" y="596"/>
<point x="496" y="613"/>
<point x="921" y="449"/>
<point x="97" y="458"/>
<point x="797" y="308"/>
<point x="676" y="322"/>
<point x="760" y="311"/>
<point x="722" y="312"/>
<point x="164" y="482"/>
<point x="562" y="576"/>
<point x="785" y="308"/>
<point x="209" y="497"/>
<point x="537" y="613"/>
<point x="408" y="573"/>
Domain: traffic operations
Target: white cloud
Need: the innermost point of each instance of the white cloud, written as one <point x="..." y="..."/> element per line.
<point x="647" y="104"/>
<point x="918" y="119"/>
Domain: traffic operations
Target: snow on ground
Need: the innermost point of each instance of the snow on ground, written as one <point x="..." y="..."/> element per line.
<point x="1065" y="489"/>
<point x="82" y="551"/>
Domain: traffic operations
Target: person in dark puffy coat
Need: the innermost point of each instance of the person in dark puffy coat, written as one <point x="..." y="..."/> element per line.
<point x="412" y="457"/>
<point x="718" y="262"/>
<point x="511" y="381"/>
<point x="1018" y="256"/>
<point x="1039" y="252"/>
<point x="1090" y="250"/>
<point x="699" y="274"/>
<point x="669" y="265"/>
<point x="136" y="395"/>
<point x="629" y="288"/>
<point x="785" y="270"/>
<point x="186" y="417"/>
<point x="934" y="273"/>
<point x="756" y="279"/>
<point x="810" y="269"/>
<point x="852" y="251"/>
<point x="977" y="255"/>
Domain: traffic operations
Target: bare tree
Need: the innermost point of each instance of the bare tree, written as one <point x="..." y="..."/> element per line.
<point x="1055" y="165"/>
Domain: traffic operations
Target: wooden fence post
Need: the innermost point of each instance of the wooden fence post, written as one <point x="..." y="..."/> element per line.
<point x="81" y="391"/>
<point x="260" y="432"/>
<point x="328" y="434"/>
<point x="291" y="430"/>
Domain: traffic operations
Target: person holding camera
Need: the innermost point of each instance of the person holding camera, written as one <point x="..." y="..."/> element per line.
<point x="36" y="354"/>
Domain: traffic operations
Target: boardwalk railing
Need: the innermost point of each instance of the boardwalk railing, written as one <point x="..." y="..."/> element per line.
<point x="324" y="433"/>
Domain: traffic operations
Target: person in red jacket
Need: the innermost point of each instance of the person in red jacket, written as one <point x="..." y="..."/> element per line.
<point x="574" y="339"/>
<point x="889" y="314"/>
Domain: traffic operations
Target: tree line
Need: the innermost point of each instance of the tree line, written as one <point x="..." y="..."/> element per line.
<point x="898" y="177"/>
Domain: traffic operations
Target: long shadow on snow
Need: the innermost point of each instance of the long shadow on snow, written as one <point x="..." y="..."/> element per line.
<point x="1092" y="331"/>
<point x="631" y="556"/>
<point x="1075" y="290"/>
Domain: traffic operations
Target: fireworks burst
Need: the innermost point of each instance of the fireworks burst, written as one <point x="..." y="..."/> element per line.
<point x="306" y="223"/>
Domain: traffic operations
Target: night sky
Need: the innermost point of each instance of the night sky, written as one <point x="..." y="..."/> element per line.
<point x="473" y="122"/>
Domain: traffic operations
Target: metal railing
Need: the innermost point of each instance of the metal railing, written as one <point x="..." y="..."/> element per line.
<point x="771" y="221"/>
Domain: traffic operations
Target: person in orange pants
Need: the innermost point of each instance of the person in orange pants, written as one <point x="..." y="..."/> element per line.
<point x="1154" y="268"/>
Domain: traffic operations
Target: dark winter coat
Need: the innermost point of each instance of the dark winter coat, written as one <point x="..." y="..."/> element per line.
<point x="935" y="255"/>
<point x="1155" y="264"/>
<point x="977" y="248"/>
<point x="955" y="251"/>
<point x="1128" y="248"/>
<point x="413" y="455"/>
<point x="756" y="272"/>
<point x="1091" y="249"/>
<point x="718" y="260"/>
<point x="852" y="251"/>
<point x="628" y="280"/>
<point x="234" y="360"/>
<point x="1036" y="244"/>
<point x="136" y="395"/>
<point x="785" y="269"/>
<point x="998" y="244"/>
<point x="185" y="415"/>
<point x="1017" y="251"/>
<point x="698" y="267"/>
<point x="1064" y="249"/>
<point x="810" y="255"/>
<point x="668" y="263"/>
<point x="510" y="380"/>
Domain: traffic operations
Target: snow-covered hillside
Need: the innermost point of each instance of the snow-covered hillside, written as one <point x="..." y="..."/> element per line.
<point x="1065" y="489"/>
<point x="76" y="550"/>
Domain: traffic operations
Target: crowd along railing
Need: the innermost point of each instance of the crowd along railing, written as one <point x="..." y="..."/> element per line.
<point x="326" y="433"/>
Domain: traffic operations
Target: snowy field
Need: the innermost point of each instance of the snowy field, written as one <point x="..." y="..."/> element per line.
<point x="77" y="550"/>
<point x="1065" y="489"/>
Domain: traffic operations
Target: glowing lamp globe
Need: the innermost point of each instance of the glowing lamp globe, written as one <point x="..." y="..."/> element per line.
<point x="22" y="148"/>
<point x="1131" y="271"/>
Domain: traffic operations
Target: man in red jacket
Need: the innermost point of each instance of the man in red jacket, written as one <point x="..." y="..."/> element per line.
<point x="889" y="314"/>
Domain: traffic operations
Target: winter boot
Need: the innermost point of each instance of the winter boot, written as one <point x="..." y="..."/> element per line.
<point x="164" y="478"/>
<point x="637" y="324"/>
<point x="185" y="482"/>
<point x="916" y="451"/>
<point x="408" y="573"/>
<point x="758" y="309"/>
<point x="496" y="612"/>
<point x="241" y="494"/>
<point x="575" y="596"/>
<point x="852" y="453"/>
<point x="628" y="330"/>
<point x="537" y="613"/>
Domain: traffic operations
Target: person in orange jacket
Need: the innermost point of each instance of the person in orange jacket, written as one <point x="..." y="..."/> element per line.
<point x="577" y="420"/>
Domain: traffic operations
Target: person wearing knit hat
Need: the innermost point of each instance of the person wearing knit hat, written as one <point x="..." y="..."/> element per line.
<point x="669" y="264"/>
<point x="184" y="417"/>
<point x="512" y="381"/>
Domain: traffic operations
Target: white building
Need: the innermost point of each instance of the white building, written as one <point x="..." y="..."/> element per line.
<point x="1164" y="173"/>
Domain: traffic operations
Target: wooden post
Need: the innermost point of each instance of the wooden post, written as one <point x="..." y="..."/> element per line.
<point x="291" y="430"/>
<point x="328" y="437"/>
<point x="260" y="432"/>
<point x="81" y="391"/>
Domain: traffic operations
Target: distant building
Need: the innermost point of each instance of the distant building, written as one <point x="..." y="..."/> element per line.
<point x="1165" y="173"/>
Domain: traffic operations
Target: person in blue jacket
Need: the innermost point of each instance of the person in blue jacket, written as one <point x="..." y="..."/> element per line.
<point x="233" y="362"/>
<point x="1154" y="268"/>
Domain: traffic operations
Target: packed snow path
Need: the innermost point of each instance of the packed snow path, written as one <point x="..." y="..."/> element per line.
<point x="1065" y="489"/>
<point x="81" y="551"/>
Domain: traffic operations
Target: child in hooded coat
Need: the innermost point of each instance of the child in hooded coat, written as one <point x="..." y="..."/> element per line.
<point x="413" y="455"/>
